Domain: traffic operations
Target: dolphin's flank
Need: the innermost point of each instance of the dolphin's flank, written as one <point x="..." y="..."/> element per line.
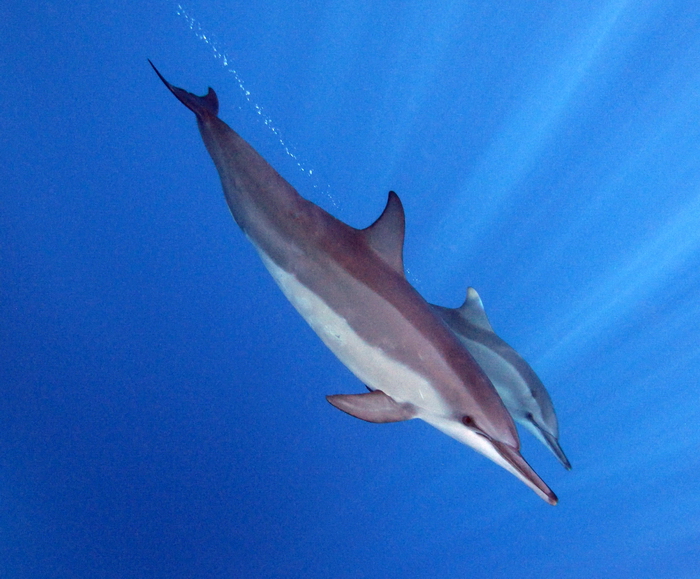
<point x="349" y="285"/>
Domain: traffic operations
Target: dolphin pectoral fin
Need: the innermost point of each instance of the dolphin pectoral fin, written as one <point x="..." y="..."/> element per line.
<point x="372" y="407"/>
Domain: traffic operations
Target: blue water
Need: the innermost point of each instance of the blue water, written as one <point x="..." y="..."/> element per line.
<point x="162" y="408"/>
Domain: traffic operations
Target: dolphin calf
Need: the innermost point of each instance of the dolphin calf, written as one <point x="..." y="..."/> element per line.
<point x="521" y="390"/>
<point x="349" y="285"/>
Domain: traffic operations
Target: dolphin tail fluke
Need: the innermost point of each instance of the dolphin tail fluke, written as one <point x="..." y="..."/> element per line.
<point x="372" y="407"/>
<point x="199" y="105"/>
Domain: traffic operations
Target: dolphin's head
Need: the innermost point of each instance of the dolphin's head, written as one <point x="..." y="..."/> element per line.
<point x="545" y="435"/>
<point x="503" y="454"/>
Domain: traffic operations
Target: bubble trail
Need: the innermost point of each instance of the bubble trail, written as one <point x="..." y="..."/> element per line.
<point x="222" y="57"/>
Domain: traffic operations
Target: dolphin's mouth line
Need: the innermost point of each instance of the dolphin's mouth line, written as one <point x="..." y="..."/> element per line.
<point x="514" y="458"/>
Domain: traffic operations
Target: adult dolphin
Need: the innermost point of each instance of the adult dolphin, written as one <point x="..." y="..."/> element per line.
<point x="516" y="382"/>
<point x="349" y="285"/>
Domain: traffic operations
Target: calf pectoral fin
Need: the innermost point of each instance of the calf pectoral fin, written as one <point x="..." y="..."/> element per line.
<point x="373" y="407"/>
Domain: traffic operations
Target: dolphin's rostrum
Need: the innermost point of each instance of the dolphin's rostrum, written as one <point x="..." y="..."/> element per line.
<point x="521" y="390"/>
<point x="349" y="285"/>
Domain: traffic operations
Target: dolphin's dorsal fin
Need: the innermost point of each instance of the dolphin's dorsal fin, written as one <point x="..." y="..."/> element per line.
<point x="373" y="407"/>
<point x="385" y="236"/>
<point x="472" y="310"/>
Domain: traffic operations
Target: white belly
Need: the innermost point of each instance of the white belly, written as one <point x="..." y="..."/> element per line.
<point x="369" y="363"/>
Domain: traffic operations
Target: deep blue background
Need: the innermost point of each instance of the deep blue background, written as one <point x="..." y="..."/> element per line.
<point x="162" y="408"/>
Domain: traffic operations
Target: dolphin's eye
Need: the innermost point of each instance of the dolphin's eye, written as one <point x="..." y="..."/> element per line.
<point x="468" y="421"/>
